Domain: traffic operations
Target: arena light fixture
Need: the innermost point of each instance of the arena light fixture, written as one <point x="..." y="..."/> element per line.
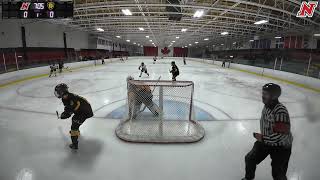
<point x="251" y="40"/>
<point x="277" y="37"/>
<point x="134" y="43"/>
<point x="150" y="40"/>
<point x="147" y="36"/>
<point x="126" y="12"/>
<point x="222" y="44"/>
<point x="206" y="39"/>
<point x="183" y="30"/>
<point x="185" y="46"/>
<point x="128" y="40"/>
<point x="196" y="42"/>
<point x="100" y="29"/>
<point x="177" y="37"/>
<point x="261" y="22"/>
<point x="190" y="44"/>
<point x="224" y="33"/>
<point x="198" y="14"/>
<point x="173" y="41"/>
<point x="138" y="44"/>
<point x="118" y="36"/>
<point x="234" y="43"/>
<point x="141" y="29"/>
<point x="317" y="35"/>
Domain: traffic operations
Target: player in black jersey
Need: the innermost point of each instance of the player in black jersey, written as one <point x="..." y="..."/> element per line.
<point x="174" y="71"/>
<point x="76" y="105"/>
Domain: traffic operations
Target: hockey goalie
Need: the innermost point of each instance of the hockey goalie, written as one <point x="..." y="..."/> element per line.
<point x="138" y="95"/>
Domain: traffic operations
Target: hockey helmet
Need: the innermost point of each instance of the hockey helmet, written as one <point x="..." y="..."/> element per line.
<point x="60" y="90"/>
<point x="273" y="89"/>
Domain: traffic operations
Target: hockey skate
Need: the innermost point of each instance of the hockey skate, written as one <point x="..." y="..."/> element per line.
<point x="73" y="146"/>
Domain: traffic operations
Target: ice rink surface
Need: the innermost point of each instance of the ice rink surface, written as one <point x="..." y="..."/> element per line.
<point x="33" y="143"/>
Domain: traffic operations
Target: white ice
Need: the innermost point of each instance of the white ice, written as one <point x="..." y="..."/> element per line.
<point x="33" y="143"/>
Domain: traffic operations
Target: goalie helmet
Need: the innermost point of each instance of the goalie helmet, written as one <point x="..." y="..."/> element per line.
<point x="130" y="78"/>
<point x="60" y="90"/>
<point x="173" y="63"/>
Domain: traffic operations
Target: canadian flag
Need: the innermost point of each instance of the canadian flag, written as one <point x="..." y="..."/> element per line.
<point x="165" y="51"/>
<point x="307" y="8"/>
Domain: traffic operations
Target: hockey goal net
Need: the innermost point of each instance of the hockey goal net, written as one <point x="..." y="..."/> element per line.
<point x="160" y="112"/>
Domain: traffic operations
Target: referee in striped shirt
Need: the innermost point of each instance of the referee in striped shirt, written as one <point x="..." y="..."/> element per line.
<point x="275" y="138"/>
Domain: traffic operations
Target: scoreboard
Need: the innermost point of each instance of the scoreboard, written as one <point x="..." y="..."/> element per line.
<point x="37" y="9"/>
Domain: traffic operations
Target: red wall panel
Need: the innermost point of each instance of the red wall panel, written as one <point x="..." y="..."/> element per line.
<point x="286" y="42"/>
<point x="180" y="52"/>
<point x="150" y="51"/>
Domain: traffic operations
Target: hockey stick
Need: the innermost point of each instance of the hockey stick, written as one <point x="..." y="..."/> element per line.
<point x="67" y="68"/>
<point x="144" y="108"/>
<point x="57" y="114"/>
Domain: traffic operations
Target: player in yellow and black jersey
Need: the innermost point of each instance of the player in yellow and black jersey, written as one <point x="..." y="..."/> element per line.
<point x="76" y="105"/>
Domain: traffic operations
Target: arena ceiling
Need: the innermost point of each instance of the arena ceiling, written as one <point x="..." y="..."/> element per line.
<point x="237" y="17"/>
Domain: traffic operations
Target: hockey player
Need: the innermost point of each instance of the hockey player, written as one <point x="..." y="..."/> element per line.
<point x="223" y="63"/>
<point x="137" y="95"/>
<point x="184" y="60"/>
<point x="60" y="66"/>
<point x="76" y="105"/>
<point x="174" y="71"/>
<point x="143" y="68"/>
<point x="154" y="59"/>
<point x="53" y="69"/>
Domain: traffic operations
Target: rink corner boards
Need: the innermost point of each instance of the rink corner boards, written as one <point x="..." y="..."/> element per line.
<point x="280" y="79"/>
<point x="275" y="78"/>
<point x="14" y="82"/>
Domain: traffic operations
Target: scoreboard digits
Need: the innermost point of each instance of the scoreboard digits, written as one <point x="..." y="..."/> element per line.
<point x="37" y="9"/>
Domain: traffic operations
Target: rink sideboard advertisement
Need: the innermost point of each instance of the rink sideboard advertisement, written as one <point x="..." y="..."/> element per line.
<point x="37" y="9"/>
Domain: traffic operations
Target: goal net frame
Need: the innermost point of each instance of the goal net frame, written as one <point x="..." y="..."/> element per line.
<point x="137" y="127"/>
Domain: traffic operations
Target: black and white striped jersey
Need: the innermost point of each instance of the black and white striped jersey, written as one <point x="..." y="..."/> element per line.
<point x="277" y="116"/>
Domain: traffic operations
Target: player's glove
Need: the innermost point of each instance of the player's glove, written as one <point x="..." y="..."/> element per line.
<point x="65" y="115"/>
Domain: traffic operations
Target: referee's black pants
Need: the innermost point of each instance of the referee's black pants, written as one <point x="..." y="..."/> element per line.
<point x="279" y="155"/>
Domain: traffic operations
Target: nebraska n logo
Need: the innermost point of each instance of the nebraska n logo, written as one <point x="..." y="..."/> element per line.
<point x="25" y="6"/>
<point x="307" y="9"/>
